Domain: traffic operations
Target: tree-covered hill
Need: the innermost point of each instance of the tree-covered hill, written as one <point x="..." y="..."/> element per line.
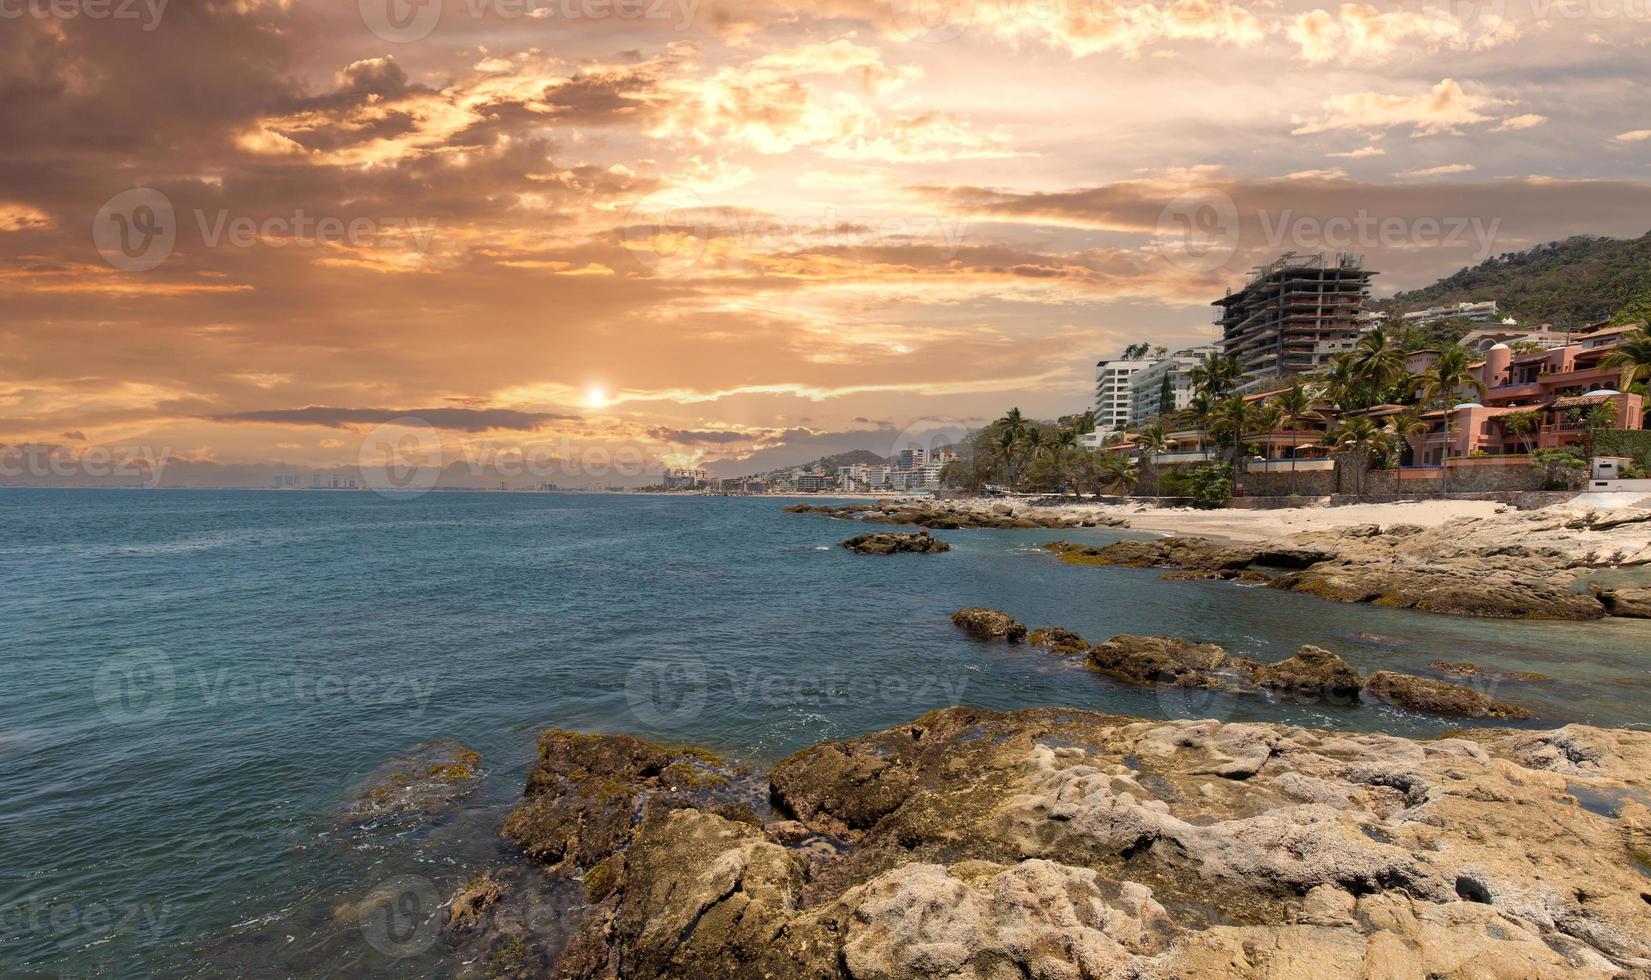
<point x="1568" y="283"/>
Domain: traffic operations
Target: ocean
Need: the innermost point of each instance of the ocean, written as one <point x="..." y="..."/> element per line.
<point x="195" y="680"/>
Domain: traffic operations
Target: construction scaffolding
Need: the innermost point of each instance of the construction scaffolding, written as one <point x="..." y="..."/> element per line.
<point x="1295" y="314"/>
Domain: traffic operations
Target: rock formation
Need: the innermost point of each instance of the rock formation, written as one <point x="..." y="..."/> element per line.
<point x="1061" y="843"/>
<point x="1438" y="697"/>
<point x="990" y="624"/>
<point x="889" y="543"/>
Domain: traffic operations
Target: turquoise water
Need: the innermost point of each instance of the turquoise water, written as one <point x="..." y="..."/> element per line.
<point x="195" y="679"/>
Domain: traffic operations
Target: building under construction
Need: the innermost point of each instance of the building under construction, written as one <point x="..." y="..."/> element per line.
<point x="1294" y="315"/>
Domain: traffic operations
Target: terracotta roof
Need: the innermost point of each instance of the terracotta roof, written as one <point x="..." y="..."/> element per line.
<point x="1576" y="401"/>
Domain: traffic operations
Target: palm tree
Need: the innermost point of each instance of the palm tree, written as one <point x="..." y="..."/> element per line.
<point x="1356" y="437"/>
<point x="1151" y="441"/>
<point x="1117" y="472"/>
<point x="1216" y="374"/>
<point x="1451" y="373"/>
<point x="1293" y="406"/>
<point x="1633" y="356"/>
<point x="1007" y="443"/>
<point x="1377" y="363"/>
<point x="1200" y="411"/>
<point x="1403" y="428"/>
<point x="1231" y="419"/>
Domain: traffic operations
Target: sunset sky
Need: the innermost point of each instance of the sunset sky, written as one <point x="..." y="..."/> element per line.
<point x="734" y="233"/>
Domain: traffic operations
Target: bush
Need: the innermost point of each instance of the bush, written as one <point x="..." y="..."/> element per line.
<point x="1559" y="467"/>
<point x="1635" y="444"/>
<point x="1210" y="486"/>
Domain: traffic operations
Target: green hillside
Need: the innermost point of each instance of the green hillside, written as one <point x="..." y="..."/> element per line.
<point x="1568" y="283"/>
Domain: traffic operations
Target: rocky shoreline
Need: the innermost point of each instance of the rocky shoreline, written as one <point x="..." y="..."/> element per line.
<point x="1524" y="566"/>
<point x="1064" y="843"/>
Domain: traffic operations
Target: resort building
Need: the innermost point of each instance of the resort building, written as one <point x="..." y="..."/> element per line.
<point x="686" y="479"/>
<point x="1554" y="384"/>
<point x="1485" y="338"/>
<point x="1113" y="393"/>
<point x="1165" y="387"/>
<point x="1484" y="312"/>
<point x="909" y="458"/>
<point x="1294" y="315"/>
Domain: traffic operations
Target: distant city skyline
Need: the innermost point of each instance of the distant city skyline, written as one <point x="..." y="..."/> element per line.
<point x="731" y="236"/>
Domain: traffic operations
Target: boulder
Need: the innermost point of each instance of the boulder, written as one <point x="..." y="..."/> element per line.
<point x="887" y="543"/>
<point x="1438" y="697"/>
<point x="1159" y="660"/>
<point x="1628" y="603"/>
<point x="989" y="624"/>
<point x="1312" y="672"/>
<point x="1059" y="640"/>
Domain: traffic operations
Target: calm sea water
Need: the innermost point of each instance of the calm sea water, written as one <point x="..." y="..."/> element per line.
<point x="194" y="679"/>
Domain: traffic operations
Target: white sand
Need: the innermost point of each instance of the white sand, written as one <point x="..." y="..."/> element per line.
<point x="1264" y="525"/>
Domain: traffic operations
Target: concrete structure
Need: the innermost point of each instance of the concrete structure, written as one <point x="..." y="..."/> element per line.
<point x="1484" y="339"/>
<point x="1484" y="312"/>
<point x="1146" y="400"/>
<point x="1113" y="393"/>
<point x="685" y="479"/>
<point x="1294" y="315"/>
<point x="909" y="458"/>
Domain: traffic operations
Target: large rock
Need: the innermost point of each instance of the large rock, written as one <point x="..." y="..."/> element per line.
<point x="1628" y="603"/>
<point x="1313" y="672"/>
<point x="1159" y="660"/>
<point x="1438" y="697"/>
<point x="1066" y="844"/>
<point x="989" y="624"/>
<point x="887" y="543"/>
<point x="1058" y="639"/>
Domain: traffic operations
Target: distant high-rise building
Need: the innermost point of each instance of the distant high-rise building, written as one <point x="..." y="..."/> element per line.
<point x="909" y="458"/>
<point x="1166" y="386"/>
<point x="1294" y="315"/>
<point x="1113" y="393"/>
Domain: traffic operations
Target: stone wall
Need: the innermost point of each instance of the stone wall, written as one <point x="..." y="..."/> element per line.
<point x="1307" y="483"/>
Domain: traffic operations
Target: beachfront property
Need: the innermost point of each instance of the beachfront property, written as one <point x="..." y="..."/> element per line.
<point x="686" y="479"/>
<point x="1165" y="386"/>
<point x="1294" y="315"/>
<point x="1480" y="312"/>
<point x="1114" y="393"/>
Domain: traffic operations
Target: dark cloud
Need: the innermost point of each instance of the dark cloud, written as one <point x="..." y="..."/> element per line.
<point x="457" y="419"/>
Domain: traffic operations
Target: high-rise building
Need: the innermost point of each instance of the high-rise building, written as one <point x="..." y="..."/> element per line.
<point x="1294" y="315"/>
<point x="1166" y="386"/>
<point x="1113" y="393"/>
<point x="909" y="458"/>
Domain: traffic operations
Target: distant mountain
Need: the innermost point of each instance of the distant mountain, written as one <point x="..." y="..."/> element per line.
<point x="1569" y="283"/>
<point x="853" y="457"/>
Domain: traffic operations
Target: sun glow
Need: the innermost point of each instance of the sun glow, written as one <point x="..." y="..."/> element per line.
<point x="596" y="396"/>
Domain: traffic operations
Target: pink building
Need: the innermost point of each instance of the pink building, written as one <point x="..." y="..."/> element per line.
<point x="1553" y="383"/>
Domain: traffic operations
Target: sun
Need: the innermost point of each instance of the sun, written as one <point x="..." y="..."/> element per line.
<point x="596" y="396"/>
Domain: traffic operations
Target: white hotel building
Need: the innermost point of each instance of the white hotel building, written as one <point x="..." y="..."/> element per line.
<point x="1113" y="393"/>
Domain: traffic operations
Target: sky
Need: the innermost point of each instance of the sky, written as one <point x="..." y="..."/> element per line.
<point x="576" y="240"/>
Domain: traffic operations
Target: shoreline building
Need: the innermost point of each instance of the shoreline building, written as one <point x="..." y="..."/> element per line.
<point x="1294" y="315"/>
<point x="1114" y="394"/>
<point x="1148" y="389"/>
